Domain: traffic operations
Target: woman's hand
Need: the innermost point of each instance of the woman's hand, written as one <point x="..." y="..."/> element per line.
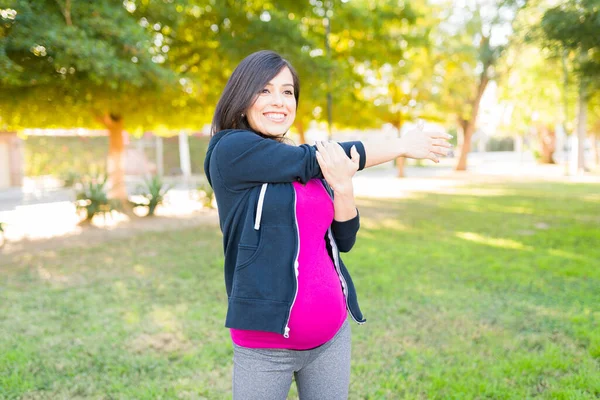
<point x="421" y="144"/>
<point x="337" y="168"/>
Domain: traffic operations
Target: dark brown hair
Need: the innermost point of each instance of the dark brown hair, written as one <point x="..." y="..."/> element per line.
<point x="245" y="83"/>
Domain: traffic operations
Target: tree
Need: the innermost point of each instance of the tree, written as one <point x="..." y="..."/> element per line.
<point x="532" y="94"/>
<point x="594" y="125"/>
<point x="67" y="64"/>
<point x="211" y="39"/>
<point x="364" y="35"/>
<point x="469" y="45"/>
<point x="369" y="40"/>
<point x="163" y="64"/>
<point x="409" y="88"/>
<point x="571" y="31"/>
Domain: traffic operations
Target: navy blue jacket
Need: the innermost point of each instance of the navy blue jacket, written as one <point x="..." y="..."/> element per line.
<point x="252" y="180"/>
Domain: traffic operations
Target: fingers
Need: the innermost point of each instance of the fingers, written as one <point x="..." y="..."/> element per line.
<point x="441" y="143"/>
<point x="337" y="151"/>
<point x="324" y="152"/>
<point x="322" y="163"/>
<point x="354" y="156"/>
<point x="334" y="155"/>
<point x="439" y="135"/>
<point x="331" y="151"/>
<point x="319" y="155"/>
<point x="433" y="157"/>
<point x="442" y="151"/>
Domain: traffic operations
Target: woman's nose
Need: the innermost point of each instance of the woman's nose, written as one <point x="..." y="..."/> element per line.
<point x="277" y="99"/>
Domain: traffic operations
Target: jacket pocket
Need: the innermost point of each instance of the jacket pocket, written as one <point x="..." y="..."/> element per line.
<point x="267" y="273"/>
<point x="247" y="254"/>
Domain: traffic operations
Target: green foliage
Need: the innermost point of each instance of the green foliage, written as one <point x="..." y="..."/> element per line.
<point x="469" y="52"/>
<point x="174" y="57"/>
<point x="93" y="197"/>
<point x="500" y="144"/>
<point x="567" y="34"/>
<point x="534" y="90"/>
<point x="61" y="62"/>
<point x="65" y="156"/>
<point x="2" y="240"/>
<point x="574" y="25"/>
<point x="72" y="157"/>
<point x="207" y="194"/>
<point x="154" y="191"/>
<point x="71" y="178"/>
<point x="501" y="305"/>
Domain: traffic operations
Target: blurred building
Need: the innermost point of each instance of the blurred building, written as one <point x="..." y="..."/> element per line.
<point x="11" y="160"/>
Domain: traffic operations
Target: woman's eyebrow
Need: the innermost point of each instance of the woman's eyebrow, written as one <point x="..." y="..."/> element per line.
<point x="285" y="84"/>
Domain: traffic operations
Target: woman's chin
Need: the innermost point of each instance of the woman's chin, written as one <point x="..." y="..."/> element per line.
<point x="276" y="133"/>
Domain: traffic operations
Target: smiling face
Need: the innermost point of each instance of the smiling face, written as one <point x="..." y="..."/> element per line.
<point x="274" y="110"/>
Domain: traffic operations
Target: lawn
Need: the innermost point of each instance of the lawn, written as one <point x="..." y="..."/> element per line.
<point x="490" y="292"/>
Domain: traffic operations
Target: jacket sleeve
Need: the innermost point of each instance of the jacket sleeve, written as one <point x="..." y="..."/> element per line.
<point x="345" y="232"/>
<point x="244" y="159"/>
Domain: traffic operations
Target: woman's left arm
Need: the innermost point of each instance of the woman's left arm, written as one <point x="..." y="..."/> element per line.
<point x="338" y="171"/>
<point x="344" y="205"/>
<point x="346" y="221"/>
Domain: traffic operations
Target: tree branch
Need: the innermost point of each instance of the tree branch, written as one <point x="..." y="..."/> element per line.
<point x="66" y="11"/>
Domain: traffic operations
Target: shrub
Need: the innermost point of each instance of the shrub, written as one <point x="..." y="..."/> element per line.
<point x="1" y="234"/>
<point x="93" y="197"/>
<point x="500" y="144"/>
<point x="70" y="178"/>
<point x="154" y="191"/>
<point x="207" y="194"/>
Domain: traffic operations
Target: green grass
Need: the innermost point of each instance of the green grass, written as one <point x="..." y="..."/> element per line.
<point x="493" y="293"/>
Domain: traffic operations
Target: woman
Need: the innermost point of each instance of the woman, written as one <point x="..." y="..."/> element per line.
<point x="286" y="212"/>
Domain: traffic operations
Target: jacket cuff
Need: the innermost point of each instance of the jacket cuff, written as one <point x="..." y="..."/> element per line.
<point x="360" y="147"/>
<point x="346" y="229"/>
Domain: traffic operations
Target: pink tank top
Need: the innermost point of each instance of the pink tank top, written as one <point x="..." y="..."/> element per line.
<point x="320" y="308"/>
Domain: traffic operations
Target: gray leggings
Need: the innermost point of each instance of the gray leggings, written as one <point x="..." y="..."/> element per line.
<point x="320" y="373"/>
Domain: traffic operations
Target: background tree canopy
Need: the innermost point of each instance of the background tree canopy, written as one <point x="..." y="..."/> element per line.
<point x="161" y="65"/>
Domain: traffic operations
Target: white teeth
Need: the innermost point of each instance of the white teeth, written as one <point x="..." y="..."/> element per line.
<point x="275" y="116"/>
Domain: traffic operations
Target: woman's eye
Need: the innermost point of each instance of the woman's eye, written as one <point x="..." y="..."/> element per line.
<point x="265" y="91"/>
<point x="289" y="93"/>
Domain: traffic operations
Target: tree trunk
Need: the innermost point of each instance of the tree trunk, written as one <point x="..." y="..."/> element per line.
<point x="596" y="150"/>
<point x="582" y="106"/>
<point x="400" y="161"/>
<point x="116" y="163"/>
<point x="468" y="128"/>
<point x="300" y="128"/>
<point x="469" y="125"/>
<point x="547" y="138"/>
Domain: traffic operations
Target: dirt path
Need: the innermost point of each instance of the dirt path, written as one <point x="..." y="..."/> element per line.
<point x="92" y="235"/>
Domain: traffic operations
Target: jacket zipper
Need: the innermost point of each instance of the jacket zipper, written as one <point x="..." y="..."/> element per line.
<point x="336" y="253"/>
<point x="338" y="270"/>
<point x="286" y="332"/>
<point x="259" y="206"/>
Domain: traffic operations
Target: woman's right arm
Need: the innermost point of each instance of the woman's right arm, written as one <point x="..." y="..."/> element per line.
<point x="244" y="159"/>
<point x="418" y="144"/>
